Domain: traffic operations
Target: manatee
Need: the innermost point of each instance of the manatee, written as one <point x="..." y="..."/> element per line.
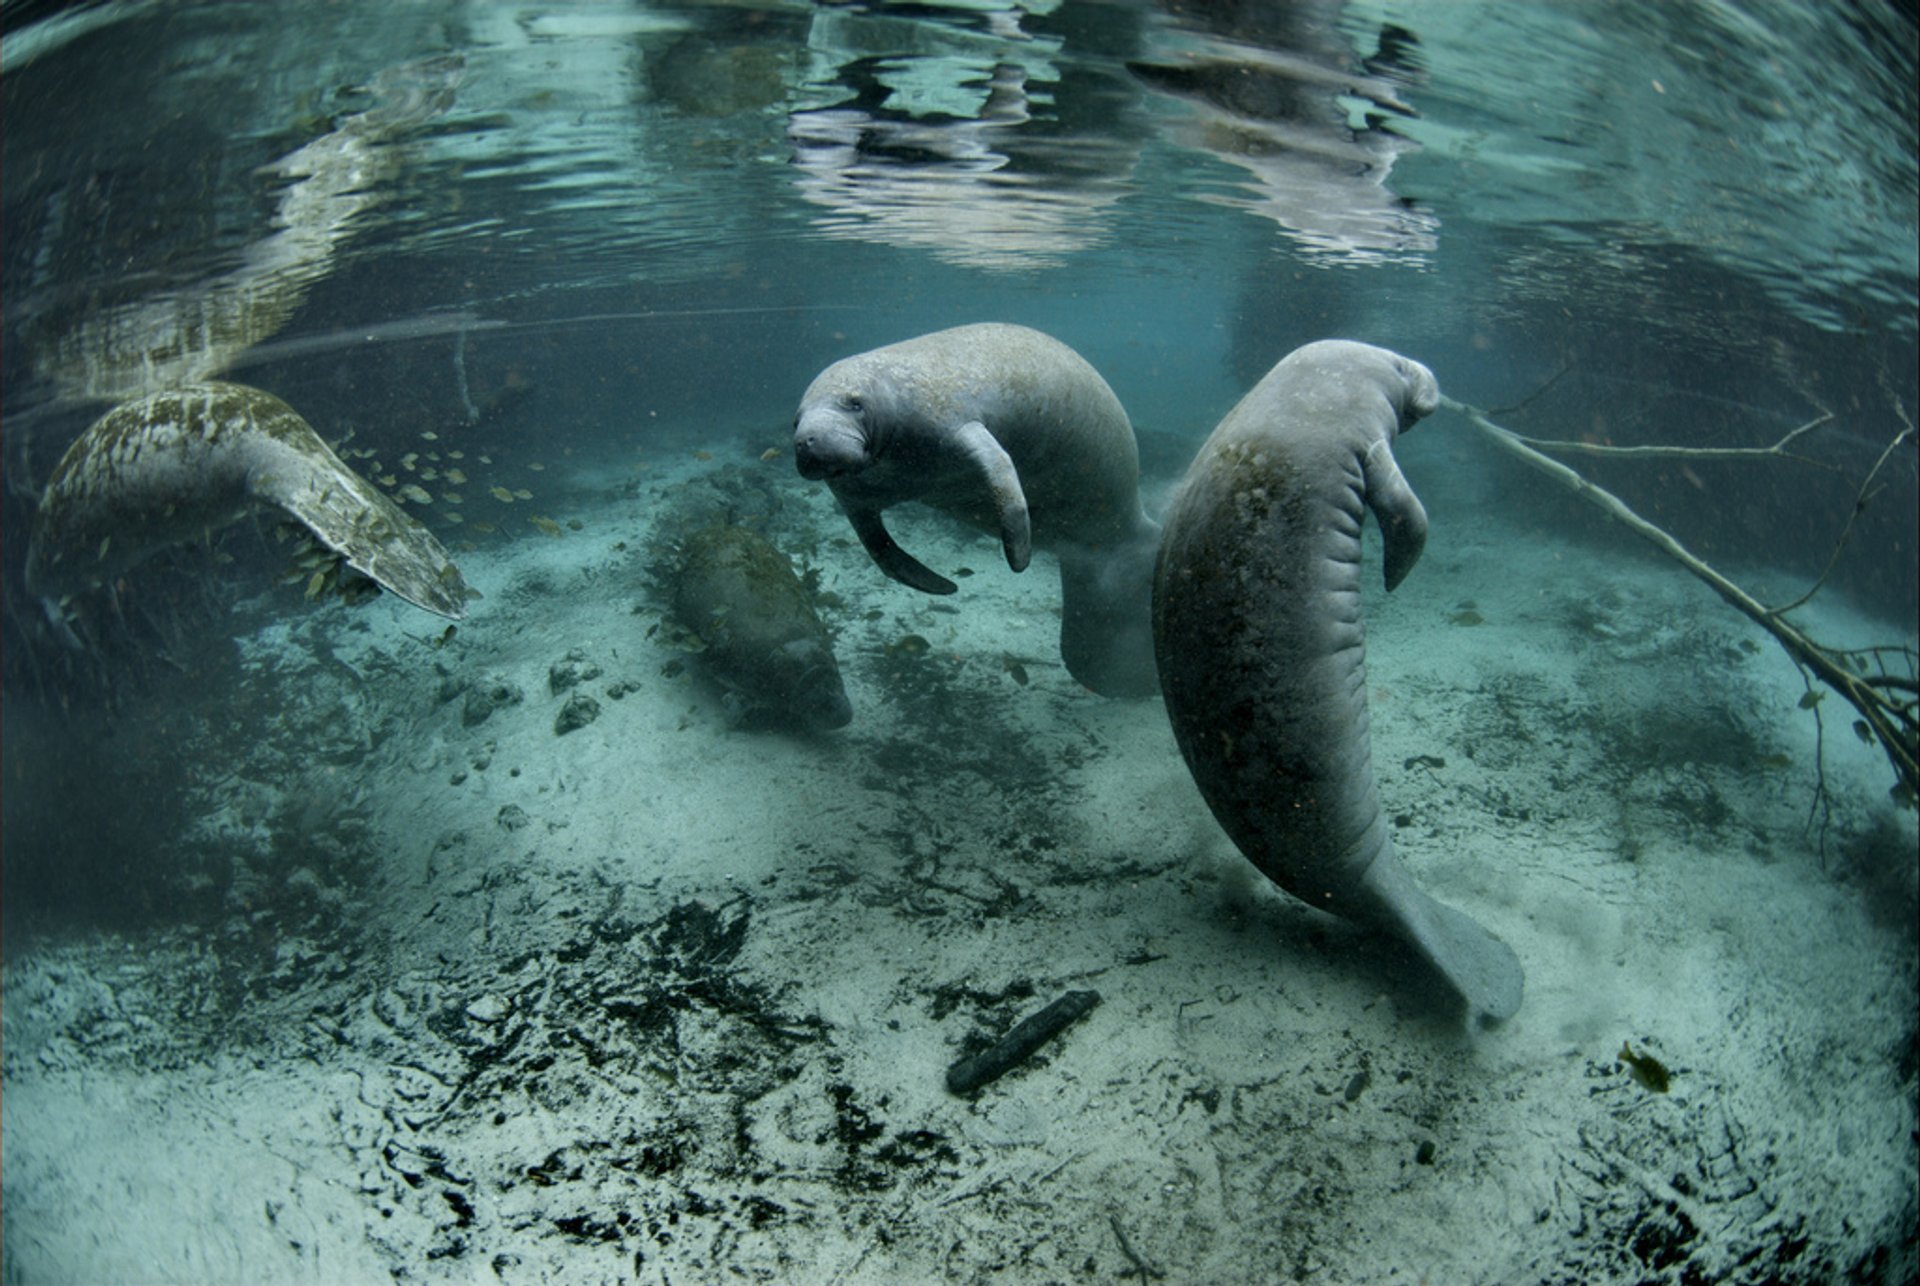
<point x="765" y="644"/>
<point x="1010" y="430"/>
<point x="172" y="467"/>
<point x="1261" y="646"/>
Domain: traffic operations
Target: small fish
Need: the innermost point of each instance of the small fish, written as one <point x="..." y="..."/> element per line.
<point x="484" y="527"/>
<point x="446" y="636"/>
<point x="1863" y="731"/>
<point x="417" y="494"/>
<point x="430" y="435"/>
<point x="1467" y="617"/>
<point x="1015" y="671"/>
<point x="547" y="525"/>
<point x="771" y="453"/>
<point x="317" y="584"/>
<point x="501" y="494"/>
<point x="521" y="493"/>
<point x="456" y="455"/>
<point x="410" y="461"/>
<point x="389" y="480"/>
<point x="104" y="542"/>
<point x="486" y="459"/>
<point x="909" y="645"/>
<point x="1812" y="698"/>
<point x="536" y="466"/>
<point x="453" y="515"/>
<point x="703" y="455"/>
<point x="429" y="474"/>
<point x="456" y="477"/>
<point x="453" y="497"/>
<point x="574" y="524"/>
<point x="1776" y="760"/>
<point x="1645" y="1068"/>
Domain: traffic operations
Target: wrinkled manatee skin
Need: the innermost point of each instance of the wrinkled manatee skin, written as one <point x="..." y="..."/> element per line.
<point x="1010" y="431"/>
<point x="1261" y="644"/>
<point x="765" y="642"/>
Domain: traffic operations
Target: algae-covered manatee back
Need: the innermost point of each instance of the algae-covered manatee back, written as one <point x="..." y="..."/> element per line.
<point x="765" y="642"/>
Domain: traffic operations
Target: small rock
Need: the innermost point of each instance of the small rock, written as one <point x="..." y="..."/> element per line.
<point x="489" y="1008"/>
<point x="488" y="695"/>
<point x="512" y="817"/>
<point x="579" y="711"/>
<point x="571" y="671"/>
<point x="459" y="776"/>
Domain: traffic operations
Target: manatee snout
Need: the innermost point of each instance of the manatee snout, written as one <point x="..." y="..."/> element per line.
<point x="828" y="443"/>
<point x="819" y="696"/>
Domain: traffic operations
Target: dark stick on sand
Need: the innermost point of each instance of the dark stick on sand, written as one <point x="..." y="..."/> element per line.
<point x="1018" y="1045"/>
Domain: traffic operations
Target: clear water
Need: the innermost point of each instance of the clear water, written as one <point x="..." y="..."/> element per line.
<point x="577" y="232"/>
<point x="1705" y="213"/>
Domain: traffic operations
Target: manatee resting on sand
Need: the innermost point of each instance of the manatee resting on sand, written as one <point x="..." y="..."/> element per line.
<point x="764" y="643"/>
<point x="169" y="468"/>
<point x="1013" y="432"/>
<point x="1262" y="651"/>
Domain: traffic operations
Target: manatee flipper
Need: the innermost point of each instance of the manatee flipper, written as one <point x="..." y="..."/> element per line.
<point x="996" y="467"/>
<point x="893" y="560"/>
<point x="357" y="520"/>
<point x="1402" y="518"/>
<point x="1477" y="965"/>
<point x="168" y="468"/>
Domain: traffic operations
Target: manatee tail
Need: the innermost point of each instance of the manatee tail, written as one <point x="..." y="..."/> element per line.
<point x="1106" y="615"/>
<point x="356" y="520"/>
<point x="1477" y="965"/>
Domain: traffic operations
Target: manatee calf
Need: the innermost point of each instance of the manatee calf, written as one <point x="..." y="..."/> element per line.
<point x="764" y="643"/>
<point x="1262" y="652"/>
<point x="1012" y="431"/>
<point x="171" y="467"/>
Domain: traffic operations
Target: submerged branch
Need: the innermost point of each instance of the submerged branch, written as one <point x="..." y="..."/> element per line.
<point x="1890" y="721"/>
<point x="1689" y="453"/>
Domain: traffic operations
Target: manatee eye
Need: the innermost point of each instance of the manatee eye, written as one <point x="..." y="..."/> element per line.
<point x="855" y="405"/>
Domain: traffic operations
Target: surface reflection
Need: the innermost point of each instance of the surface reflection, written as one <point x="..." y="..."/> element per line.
<point x="1272" y="91"/>
<point x="953" y="138"/>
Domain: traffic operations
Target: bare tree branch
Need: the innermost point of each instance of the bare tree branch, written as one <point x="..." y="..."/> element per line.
<point x="1690" y="453"/>
<point x="1889" y="721"/>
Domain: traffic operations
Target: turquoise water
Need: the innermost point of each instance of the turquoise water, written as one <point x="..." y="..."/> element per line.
<point x="1705" y="214"/>
<point x="583" y="240"/>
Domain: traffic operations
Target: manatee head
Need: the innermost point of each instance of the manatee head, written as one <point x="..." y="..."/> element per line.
<point x="845" y="419"/>
<point x="1419" y="391"/>
<point x="810" y="683"/>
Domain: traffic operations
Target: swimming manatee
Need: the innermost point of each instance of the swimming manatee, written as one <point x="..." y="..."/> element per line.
<point x="1262" y="650"/>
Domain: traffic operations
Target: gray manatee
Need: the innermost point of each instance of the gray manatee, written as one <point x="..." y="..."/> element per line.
<point x="168" y="468"/>
<point x="764" y="642"/>
<point x="1262" y="650"/>
<point x="1013" y="432"/>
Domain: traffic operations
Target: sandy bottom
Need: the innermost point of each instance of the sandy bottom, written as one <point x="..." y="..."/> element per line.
<point x="662" y="999"/>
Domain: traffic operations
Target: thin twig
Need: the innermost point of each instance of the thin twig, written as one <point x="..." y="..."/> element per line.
<point x="1892" y="724"/>
<point x="1534" y="396"/>
<point x="1686" y="453"/>
<point x="1859" y="507"/>
<point x="1147" y="1271"/>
